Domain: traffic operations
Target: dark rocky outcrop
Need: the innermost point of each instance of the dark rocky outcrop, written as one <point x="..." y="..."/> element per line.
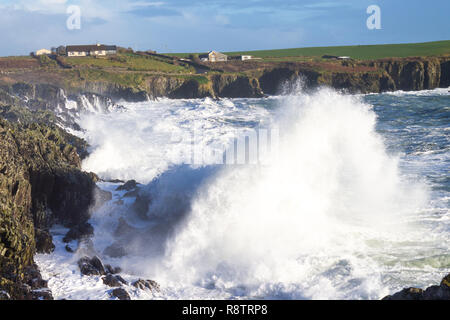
<point x="441" y="292"/>
<point x="120" y="294"/>
<point x="44" y="241"/>
<point x="235" y="86"/>
<point x="112" y="270"/>
<point x="40" y="183"/>
<point x="128" y="186"/>
<point x="91" y="266"/>
<point x="147" y="285"/>
<point x="113" y="280"/>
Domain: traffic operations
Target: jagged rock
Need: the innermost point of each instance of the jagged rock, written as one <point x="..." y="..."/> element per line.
<point x="38" y="283"/>
<point x="407" y="294"/>
<point x="446" y="281"/>
<point x="40" y="183"/>
<point x="91" y="266"/>
<point x="79" y="231"/>
<point x="44" y="241"/>
<point x="128" y="186"/>
<point x="146" y="284"/>
<point x="42" y="295"/>
<point x="115" y="251"/>
<point x="441" y="292"/>
<point x="112" y="270"/>
<point x="113" y="280"/>
<point x="120" y="294"/>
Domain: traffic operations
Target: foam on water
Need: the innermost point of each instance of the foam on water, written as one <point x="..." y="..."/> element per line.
<point x="331" y="215"/>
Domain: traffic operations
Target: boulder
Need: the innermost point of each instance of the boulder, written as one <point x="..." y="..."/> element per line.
<point x="113" y="280"/>
<point x="91" y="266"/>
<point x="437" y="293"/>
<point x="112" y="270"/>
<point x="441" y="292"/>
<point x="44" y="241"/>
<point x="120" y="294"/>
<point x="127" y="186"/>
<point x="407" y="294"/>
<point x="147" y="285"/>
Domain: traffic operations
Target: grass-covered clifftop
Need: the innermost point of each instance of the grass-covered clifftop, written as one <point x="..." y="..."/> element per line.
<point x="361" y="52"/>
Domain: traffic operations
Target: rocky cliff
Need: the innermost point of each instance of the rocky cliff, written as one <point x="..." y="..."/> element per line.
<point x="40" y="184"/>
<point x="44" y="92"/>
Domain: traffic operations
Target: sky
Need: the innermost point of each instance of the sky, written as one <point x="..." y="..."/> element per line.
<point x="223" y="25"/>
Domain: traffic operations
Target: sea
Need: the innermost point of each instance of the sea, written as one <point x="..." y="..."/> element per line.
<point x="313" y="194"/>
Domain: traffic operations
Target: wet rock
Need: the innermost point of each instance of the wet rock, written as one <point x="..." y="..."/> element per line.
<point x="42" y="295"/>
<point x="68" y="248"/>
<point x="446" y="280"/>
<point x="407" y="294"/>
<point x="128" y="186"/>
<point x="115" y="251"/>
<point x="44" y="241"/>
<point x="112" y="270"/>
<point x="120" y="294"/>
<point x="441" y="292"/>
<point x="79" y="231"/>
<point x="91" y="266"/>
<point x="113" y="280"/>
<point x="38" y="283"/>
<point x="147" y="285"/>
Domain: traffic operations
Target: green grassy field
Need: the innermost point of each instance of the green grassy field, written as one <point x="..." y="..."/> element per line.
<point x="132" y="62"/>
<point x="366" y="52"/>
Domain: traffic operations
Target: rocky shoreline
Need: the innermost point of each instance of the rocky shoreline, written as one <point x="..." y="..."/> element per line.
<point x="41" y="181"/>
<point x="436" y="292"/>
<point x="40" y="184"/>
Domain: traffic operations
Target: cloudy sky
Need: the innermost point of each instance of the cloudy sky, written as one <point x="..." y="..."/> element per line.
<point x="225" y="25"/>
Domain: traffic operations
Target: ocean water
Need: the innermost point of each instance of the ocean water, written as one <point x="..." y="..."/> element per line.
<point x="343" y="197"/>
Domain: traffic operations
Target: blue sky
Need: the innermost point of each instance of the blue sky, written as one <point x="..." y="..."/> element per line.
<point x="225" y="25"/>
